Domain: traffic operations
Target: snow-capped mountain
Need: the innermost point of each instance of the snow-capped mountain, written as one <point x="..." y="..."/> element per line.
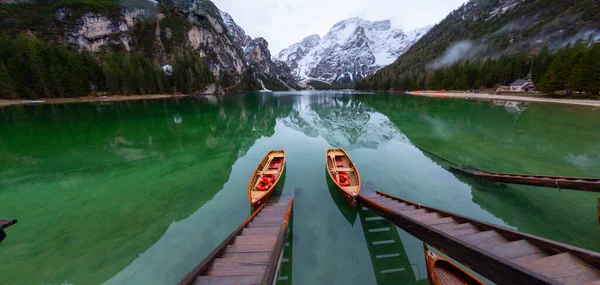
<point x="238" y="34"/>
<point x="351" y="50"/>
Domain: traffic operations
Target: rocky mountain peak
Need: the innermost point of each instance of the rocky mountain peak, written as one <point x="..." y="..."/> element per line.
<point x="351" y="50"/>
<point x="257" y="51"/>
<point x="382" y="25"/>
<point x="311" y="41"/>
<point x="238" y="34"/>
<point x="258" y="56"/>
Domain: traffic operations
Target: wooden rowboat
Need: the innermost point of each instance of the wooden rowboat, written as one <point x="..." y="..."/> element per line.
<point x="265" y="178"/>
<point x="344" y="174"/>
<point x="440" y="271"/>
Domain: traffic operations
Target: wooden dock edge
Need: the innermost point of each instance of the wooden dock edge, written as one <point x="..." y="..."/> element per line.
<point x="275" y="260"/>
<point x="493" y="268"/>
<point x="556" y="182"/>
<point x="204" y="265"/>
<point x="591" y="257"/>
<point x="7" y="223"/>
<point x="3" y="225"/>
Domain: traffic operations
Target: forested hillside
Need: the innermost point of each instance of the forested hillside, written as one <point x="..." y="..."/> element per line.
<point x="30" y="68"/>
<point x="484" y="43"/>
<point x="73" y="48"/>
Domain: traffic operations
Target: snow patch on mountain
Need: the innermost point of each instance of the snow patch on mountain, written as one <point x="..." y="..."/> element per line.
<point x="238" y="34"/>
<point x="256" y="52"/>
<point x="365" y="129"/>
<point x="351" y="50"/>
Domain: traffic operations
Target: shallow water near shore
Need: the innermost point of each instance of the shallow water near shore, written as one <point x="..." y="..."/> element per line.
<point x="139" y="192"/>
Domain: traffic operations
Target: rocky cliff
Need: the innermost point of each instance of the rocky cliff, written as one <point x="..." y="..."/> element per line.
<point x="351" y="50"/>
<point x="276" y="74"/>
<point x="162" y="30"/>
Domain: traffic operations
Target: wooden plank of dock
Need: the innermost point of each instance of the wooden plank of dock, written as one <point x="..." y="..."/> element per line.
<point x="502" y="255"/>
<point x="3" y="225"/>
<point x="252" y="253"/>
<point x="558" y="182"/>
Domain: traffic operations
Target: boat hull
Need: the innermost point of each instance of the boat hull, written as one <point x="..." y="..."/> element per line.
<point x="261" y="201"/>
<point x="257" y="202"/>
<point x="441" y="271"/>
<point x="351" y="199"/>
<point x="349" y="196"/>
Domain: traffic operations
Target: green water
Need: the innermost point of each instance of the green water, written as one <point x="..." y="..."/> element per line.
<point x="140" y="192"/>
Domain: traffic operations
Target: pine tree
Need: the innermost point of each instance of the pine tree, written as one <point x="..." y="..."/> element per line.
<point x="586" y="75"/>
<point x="541" y="64"/>
<point x="6" y="83"/>
<point x="558" y="73"/>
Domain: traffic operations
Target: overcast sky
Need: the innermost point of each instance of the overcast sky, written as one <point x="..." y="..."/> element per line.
<point x="285" y="22"/>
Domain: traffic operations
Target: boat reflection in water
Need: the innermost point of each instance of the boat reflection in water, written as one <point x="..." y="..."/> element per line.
<point x="397" y="257"/>
<point x="285" y="269"/>
<point x="346" y="210"/>
<point x="392" y="263"/>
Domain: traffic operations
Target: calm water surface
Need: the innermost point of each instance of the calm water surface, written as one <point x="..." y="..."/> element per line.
<point x="140" y="192"/>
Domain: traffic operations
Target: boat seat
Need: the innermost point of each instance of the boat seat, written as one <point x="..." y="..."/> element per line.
<point x="345" y="169"/>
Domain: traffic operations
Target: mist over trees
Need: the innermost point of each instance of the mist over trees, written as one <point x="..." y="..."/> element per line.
<point x="574" y="69"/>
<point x="488" y="42"/>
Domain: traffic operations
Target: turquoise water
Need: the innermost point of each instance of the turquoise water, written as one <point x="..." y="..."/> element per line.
<point x="140" y="192"/>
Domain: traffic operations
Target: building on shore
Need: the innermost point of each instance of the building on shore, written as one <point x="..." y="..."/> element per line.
<point x="523" y="85"/>
<point x="519" y="86"/>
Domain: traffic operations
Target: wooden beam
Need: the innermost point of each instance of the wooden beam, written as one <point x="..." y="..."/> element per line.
<point x="557" y="182"/>
<point x="591" y="257"/>
<point x="3" y="225"/>
<point x="492" y="267"/>
<point x="274" y="260"/>
<point x="216" y="253"/>
<point x="6" y="223"/>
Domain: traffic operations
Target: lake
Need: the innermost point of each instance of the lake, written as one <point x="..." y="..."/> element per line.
<point x="139" y="192"/>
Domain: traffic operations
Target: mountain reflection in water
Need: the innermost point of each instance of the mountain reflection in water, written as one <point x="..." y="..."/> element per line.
<point x="139" y="192"/>
<point x="328" y="245"/>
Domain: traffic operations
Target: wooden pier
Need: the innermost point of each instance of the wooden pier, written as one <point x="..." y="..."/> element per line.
<point x="252" y="253"/>
<point x="502" y="255"/>
<point x="558" y="182"/>
<point x="3" y="225"/>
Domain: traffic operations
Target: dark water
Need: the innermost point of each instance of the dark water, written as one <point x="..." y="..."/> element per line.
<point x="140" y="192"/>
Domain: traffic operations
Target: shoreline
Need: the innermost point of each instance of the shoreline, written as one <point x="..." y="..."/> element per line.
<point x="579" y="102"/>
<point x="436" y="94"/>
<point x="89" y="99"/>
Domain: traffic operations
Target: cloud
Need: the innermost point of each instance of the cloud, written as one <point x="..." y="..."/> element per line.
<point x="285" y="22"/>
